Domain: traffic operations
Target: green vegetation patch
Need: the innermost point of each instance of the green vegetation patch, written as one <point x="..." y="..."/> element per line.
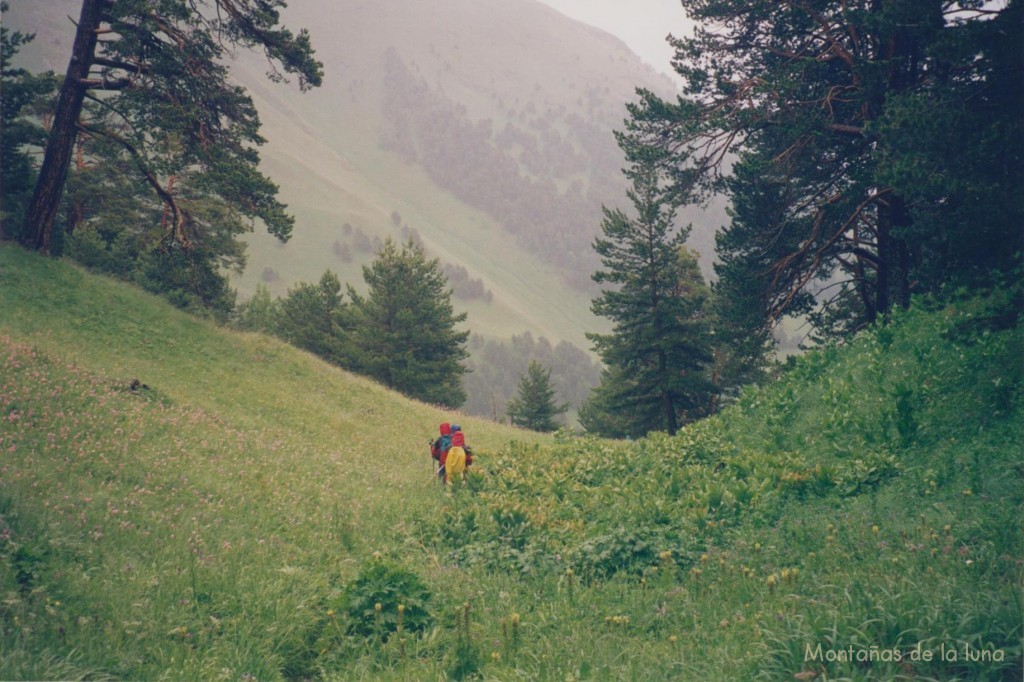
<point x="858" y="519"/>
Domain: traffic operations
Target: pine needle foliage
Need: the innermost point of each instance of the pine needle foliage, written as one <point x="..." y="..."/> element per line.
<point x="534" y="407"/>
<point x="405" y="327"/>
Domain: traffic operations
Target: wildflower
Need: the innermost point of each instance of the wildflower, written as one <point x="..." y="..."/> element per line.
<point x="673" y="639"/>
<point x="874" y="529"/>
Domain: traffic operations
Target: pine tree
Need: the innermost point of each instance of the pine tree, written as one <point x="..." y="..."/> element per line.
<point x="314" y="317"/>
<point x="602" y="412"/>
<point x="534" y="407"/>
<point x="660" y="343"/>
<point x="158" y="83"/>
<point x="260" y="313"/>
<point x="870" y="140"/>
<point x="116" y="225"/>
<point x="406" y="334"/>
<point x="21" y="92"/>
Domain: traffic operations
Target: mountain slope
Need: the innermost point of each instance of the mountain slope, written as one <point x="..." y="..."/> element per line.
<point x="481" y="128"/>
<point x="484" y="128"/>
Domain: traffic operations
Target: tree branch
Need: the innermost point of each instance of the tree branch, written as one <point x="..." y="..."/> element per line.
<point x="125" y="66"/>
<point x="177" y="232"/>
<point x="105" y="84"/>
<point x="857" y="131"/>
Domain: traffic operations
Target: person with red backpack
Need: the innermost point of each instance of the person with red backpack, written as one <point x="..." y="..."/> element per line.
<point x="439" y="448"/>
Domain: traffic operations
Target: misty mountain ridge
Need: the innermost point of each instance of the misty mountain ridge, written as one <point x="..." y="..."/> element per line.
<point x="480" y="128"/>
<point x="484" y="127"/>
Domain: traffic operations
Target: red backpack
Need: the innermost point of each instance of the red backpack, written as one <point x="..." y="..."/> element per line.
<point x="441" y="446"/>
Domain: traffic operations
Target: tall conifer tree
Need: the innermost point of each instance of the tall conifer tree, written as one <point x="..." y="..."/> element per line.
<point x="156" y="73"/>
<point x="21" y="91"/>
<point x="656" y="298"/>
<point x="405" y="328"/>
<point x="851" y="135"/>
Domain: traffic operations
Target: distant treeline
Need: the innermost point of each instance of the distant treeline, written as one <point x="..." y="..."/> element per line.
<point x="402" y="333"/>
<point x="464" y="286"/>
<point x="356" y="240"/>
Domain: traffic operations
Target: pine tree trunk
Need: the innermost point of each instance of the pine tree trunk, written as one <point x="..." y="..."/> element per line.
<point x="667" y="404"/>
<point x="894" y="259"/>
<point x="42" y="211"/>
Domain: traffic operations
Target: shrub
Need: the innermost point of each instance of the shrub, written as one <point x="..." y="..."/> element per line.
<point x="369" y="605"/>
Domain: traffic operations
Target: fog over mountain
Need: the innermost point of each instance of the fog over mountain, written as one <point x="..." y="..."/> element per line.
<point x="642" y="24"/>
<point x="481" y="128"/>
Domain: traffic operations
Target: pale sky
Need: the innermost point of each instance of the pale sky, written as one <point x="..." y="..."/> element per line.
<point x="641" y="24"/>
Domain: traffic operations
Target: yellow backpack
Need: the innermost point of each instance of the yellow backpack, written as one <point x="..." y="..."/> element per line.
<point x="455" y="464"/>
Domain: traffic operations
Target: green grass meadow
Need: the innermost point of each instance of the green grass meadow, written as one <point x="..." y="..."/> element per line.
<point x="183" y="502"/>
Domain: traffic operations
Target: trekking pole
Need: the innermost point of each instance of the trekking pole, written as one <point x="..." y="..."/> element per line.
<point x="437" y="470"/>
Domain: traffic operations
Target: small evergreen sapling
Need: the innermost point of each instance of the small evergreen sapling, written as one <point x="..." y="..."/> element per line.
<point x="534" y="407"/>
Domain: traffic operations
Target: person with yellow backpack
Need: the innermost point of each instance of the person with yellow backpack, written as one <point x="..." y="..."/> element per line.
<point x="458" y="458"/>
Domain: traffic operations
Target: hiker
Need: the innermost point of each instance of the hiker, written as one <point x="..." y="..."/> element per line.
<point x="439" y="448"/>
<point x="460" y="456"/>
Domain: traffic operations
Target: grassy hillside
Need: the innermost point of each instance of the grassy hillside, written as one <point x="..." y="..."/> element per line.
<point x="241" y="513"/>
<point x="258" y="468"/>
